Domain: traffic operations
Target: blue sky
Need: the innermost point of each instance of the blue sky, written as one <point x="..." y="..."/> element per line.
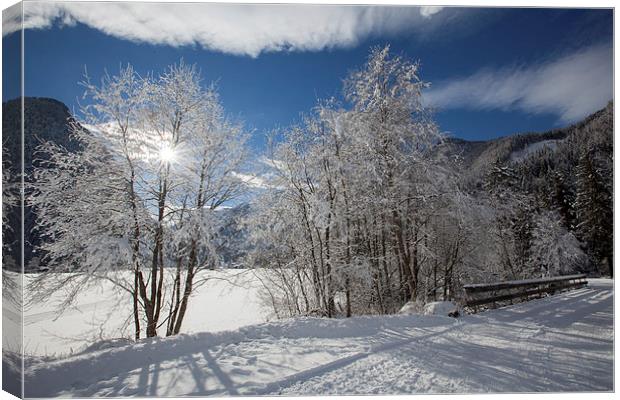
<point x="493" y="71"/>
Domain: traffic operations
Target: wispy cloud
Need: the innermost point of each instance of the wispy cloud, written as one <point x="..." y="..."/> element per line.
<point x="570" y="87"/>
<point x="272" y="163"/>
<point x="243" y="29"/>
<point x="252" y="180"/>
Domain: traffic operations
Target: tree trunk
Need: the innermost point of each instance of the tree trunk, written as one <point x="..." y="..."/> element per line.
<point x="189" y="284"/>
<point x="136" y="313"/>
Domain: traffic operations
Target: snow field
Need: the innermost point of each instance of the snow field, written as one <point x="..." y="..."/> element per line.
<point x="227" y="300"/>
<point x="559" y="343"/>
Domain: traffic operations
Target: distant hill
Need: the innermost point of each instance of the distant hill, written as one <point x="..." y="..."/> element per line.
<point x="568" y="170"/>
<point x="44" y="119"/>
<point x="476" y="157"/>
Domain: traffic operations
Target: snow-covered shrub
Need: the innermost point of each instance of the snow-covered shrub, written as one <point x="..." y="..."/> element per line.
<point x="556" y="250"/>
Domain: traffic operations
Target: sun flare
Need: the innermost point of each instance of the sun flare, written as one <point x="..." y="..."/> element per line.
<point x="167" y="154"/>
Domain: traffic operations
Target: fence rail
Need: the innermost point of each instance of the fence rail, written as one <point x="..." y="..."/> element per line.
<point x="492" y="293"/>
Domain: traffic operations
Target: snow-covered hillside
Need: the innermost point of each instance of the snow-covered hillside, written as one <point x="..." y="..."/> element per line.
<point x="532" y="149"/>
<point x="560" y="343"/>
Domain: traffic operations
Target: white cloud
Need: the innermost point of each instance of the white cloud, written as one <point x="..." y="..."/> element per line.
<point x="243" y="29"/>
<point x="429" y="11"/>
<point x="11" y="19"/>
<point x="570" y="87"/>
<point x="273" y="163"/>
<point x="252" y="180"/>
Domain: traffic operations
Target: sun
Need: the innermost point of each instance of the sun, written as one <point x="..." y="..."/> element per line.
<point x="167" y="154"/>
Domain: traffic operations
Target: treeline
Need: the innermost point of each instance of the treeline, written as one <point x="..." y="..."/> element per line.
<point x="371" y="208"/>
<point x="575" y="179"/>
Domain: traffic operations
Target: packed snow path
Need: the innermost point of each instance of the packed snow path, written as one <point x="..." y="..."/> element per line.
<point x="559" y="343"/>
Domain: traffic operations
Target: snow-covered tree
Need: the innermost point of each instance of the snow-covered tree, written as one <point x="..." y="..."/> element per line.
<point x="157" y="155"/>
<point x="594" y="213"/>
<point x="555" y="249"/>
<point x="357" y="185"/>
<point x="11" y="284"/>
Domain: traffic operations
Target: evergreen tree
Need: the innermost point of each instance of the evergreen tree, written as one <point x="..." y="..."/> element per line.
<point x="593" y="205"/>
<point x="560" y="199"/>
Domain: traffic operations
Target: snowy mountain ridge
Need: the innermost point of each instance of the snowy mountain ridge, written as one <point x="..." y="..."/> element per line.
<point x="476" y="156"/>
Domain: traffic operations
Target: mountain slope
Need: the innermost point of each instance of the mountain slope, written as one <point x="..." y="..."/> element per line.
<point x="44" y="119"/>
<point x="568" y="171"/>
<point x="477" y="156"/>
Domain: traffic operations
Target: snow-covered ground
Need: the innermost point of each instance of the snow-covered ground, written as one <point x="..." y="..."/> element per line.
<point x="559" y="343"/>
<point x="228" y="300"/>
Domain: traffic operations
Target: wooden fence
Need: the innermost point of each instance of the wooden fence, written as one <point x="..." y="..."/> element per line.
<point x="500" y="293"/>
